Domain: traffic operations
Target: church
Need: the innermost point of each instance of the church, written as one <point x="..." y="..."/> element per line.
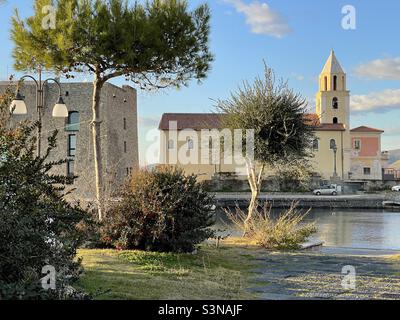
<point x="358" y="155"/>
<point x="340" y="152"/>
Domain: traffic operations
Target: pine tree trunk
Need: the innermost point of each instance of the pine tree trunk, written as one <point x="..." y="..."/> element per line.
<point x="96" y="136"/>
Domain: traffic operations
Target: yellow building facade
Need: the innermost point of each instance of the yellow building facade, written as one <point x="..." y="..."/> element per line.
<point x="340" y="153"/>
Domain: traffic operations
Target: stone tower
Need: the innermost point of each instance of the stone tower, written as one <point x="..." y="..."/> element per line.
<point x="333" y="106"/>
<point x="333" y="98"/>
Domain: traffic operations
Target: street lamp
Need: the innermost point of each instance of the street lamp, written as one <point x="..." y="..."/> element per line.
<point x="18" y="106"/>
<point x="335" y="149"/>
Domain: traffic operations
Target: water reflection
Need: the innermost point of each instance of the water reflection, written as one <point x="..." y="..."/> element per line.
<point x="372" y="229"/>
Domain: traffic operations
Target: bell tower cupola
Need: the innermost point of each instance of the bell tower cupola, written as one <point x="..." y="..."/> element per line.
<point x="333" y="98"/>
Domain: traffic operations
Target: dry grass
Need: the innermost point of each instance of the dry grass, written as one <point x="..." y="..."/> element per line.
<point x="224" y="273"/>
<point x="286" y="232"/>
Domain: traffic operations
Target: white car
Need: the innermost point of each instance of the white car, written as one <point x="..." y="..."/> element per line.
<point x="331" y="190"/>
<point x="396" y="188"/>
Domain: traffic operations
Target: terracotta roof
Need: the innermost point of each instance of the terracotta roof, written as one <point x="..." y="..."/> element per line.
<point x="366" y="129"/>
<point x="194" y="121"/>
<point x="199" y="121"/>
<point x="331" y="127"/>
<point x="313" y="119"/>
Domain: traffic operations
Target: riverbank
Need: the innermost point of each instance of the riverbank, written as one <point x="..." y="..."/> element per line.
<point x="358" y="201"/>
<point x="213" y="273"/>
<point x="319" y="276"/>
<point x="237" y="270"/>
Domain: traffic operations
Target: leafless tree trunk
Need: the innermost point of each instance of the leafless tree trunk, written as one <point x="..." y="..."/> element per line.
<point x="98" y="161"/>
<point x="255" y="181"/>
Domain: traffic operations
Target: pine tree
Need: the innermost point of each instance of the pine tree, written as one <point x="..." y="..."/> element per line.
<point x="156" y="45"/>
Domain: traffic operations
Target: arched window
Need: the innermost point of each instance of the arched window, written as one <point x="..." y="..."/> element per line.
<point x="343" y="83"/>
<point x="190" y="144"/>
<point x="335" y="120"/>
<point x="334" y="83"/>
<point x="315" y="144"/>
<point x="332" y="144"/>
<point x="335" y="103"/>
<point x="326" y="83"/>
<point x="72" y="121"/>
<point x="171" y="144"/>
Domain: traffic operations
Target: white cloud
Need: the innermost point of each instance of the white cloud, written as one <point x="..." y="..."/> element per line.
<point x="380" y="69"/>
<point x="392" y="131"/>
<point x="261" y="18"/>
<point x="381" y="101"/>
<point x="298" y="77"/>
<point x="149" y="122"/>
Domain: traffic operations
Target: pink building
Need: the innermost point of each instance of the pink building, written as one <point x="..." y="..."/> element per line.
<point x="366" y="156"/>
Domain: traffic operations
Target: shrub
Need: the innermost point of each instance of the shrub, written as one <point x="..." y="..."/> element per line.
<point x="287" y="232"/>
<point x="160" y="210"/>
<point x="37" y="226"/>
<point x="295" y="177"/>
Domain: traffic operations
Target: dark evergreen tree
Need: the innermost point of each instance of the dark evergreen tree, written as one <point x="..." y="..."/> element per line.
<point x="38" y="227"/>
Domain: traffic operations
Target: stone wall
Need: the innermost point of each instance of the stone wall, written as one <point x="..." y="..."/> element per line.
<point x="117" y="104"/>
<point x="306" y="202"/>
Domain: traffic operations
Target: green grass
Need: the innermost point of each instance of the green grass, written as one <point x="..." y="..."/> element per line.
<point x="224" y="273"/>
<point x="396" y="258"/>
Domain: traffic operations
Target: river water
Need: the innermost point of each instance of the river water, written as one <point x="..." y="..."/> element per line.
<point x="356" y="229"/>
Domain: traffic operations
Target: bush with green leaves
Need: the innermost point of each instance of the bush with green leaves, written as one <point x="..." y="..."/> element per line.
<point x="38" y="227"/>
<point x="160" y="210"/>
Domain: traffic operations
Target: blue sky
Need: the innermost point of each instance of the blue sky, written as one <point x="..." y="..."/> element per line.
<point x="294" y="38"/>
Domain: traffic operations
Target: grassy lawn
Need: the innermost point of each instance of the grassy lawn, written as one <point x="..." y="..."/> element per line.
<point x="396" y="258"/>
<point x="223" y="273"/>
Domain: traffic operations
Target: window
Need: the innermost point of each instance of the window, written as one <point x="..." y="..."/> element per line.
<point x="70" y="168"/>
<point x="315" y="145"/>
<point x="72" y="121"/>
<point x="357" y="144"/>
<point x="190" y="144"/>
<point x="335" y="120"/>
<point x="125" y="147"/>
<point x="367" y="171"/>
<point x="332" y="144"/>
<point x="334" y="83"/>
<point x="343" y="83"/>
<point x="171" y="144"/>
<point x="326" y="83"/>
<point x="72" y="145"/>
<point x="335" y="103"/>
<point x="124" y="123"/>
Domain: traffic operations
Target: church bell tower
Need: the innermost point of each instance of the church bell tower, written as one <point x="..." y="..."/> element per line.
<point x="333" y="98"/>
